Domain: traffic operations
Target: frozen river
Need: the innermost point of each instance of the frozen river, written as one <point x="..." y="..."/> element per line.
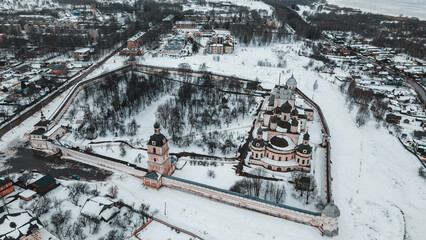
<point x="410" y="8"/>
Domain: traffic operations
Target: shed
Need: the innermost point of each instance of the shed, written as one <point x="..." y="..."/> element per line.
<point x="27" y="194"/>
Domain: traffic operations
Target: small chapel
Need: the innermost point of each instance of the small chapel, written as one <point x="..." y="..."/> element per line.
<point x="159" y="161"/>
<point x="282" y="140"/>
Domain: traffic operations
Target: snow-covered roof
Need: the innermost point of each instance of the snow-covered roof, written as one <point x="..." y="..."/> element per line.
<point x="98" y="207"/>
<point x="83" y="50"/>
<point x="27" y="193"/>
<point x="331" y="210"/>
<point x="136" y="36"/>
<point x="16" y="225"/>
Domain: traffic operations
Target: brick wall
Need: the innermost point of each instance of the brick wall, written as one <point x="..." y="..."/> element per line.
<point x="240" y="200"/>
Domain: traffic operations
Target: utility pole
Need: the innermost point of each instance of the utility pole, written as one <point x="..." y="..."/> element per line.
<point x="165" y="207"/>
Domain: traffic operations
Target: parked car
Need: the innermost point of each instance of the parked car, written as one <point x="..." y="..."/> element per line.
<point x="75" y="176"/>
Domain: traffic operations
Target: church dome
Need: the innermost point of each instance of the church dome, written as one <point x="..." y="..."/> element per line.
<point x="291" y="80"/>
<point x="157" y="140"/>
<point x="258" y="143"/>
<point x="279" y="142"/>
<point x="294" y="122"/>
<point x="303" y="147"/>
<point x="259" y="131"/>
<point x="306" y="136"/>
<point x="294" y="112"/>
<point x="286" y="107"/>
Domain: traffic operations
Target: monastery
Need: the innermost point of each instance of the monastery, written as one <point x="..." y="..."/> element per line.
<point x="282" y="139"/>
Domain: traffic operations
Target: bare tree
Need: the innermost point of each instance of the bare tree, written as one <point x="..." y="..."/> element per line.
<point x="113" y="191"/>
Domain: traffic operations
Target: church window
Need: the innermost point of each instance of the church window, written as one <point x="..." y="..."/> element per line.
<point x="154" y="143"/>
<point x="303" y="161"/>
<point x="257" y="144"/>
<point x="286" y="158"/>
<point x="155" y="159"/>
<point x="279" y="159"/>
<point x="273" y="157"/>
<point x="304" y="151"/>
<point x="279" y="169"/>
<point x="154" y="150"/>
<point x="256" y="155"/>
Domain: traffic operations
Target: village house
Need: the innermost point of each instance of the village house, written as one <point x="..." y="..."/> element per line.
<point x="59" y="69"/>
<point x="185" y="24"/>
<point x="44" y="184"/>
<point x="205" y="31"/>
<point x="23" y="226"/>
<point x="135" y="41"/>
<point x="419" y="135"/>
<point x="159" y="161"/>
<point x="175" y="46"/>
<point x="283" y="148"/>
<point x="82" y="54"/>
<point x="22" y="69"/>
<point x="6" y="187"/>
<point x="100" y="208"/>
<point x="220" y="44"/>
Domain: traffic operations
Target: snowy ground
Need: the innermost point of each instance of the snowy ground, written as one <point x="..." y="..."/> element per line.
<point x="410" y="8"/>
<point x="158" y="231"/>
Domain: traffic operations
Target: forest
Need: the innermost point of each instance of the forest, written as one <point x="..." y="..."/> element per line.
<point x="196" y="108"/>
<point x="199" y="108"/>
<point x="117" y="99"/>
<point x="399" y="33"/>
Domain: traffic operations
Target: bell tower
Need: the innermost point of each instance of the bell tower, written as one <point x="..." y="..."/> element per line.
<point x="158" y="152"/>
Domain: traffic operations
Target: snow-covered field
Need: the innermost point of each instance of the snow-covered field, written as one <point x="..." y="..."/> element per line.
<point x="410" y="8"/>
